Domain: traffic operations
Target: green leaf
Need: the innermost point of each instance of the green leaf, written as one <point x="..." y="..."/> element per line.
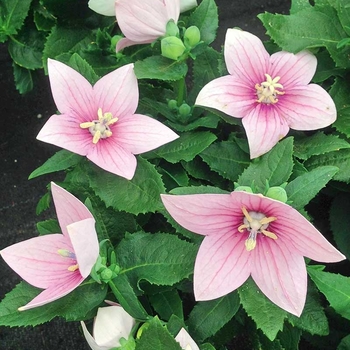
<point x="340" y="222"/>
<point x="127" y="297"/>
<point x="43" y="19"/>
<point x="343" y="11"/>
<point x="297" y="32"/>
<point x="155" y="336"/>
<point x="198" y="190"/>
<point x="65" y="40"/>
<point x="290" y="337"/>
<point x="160" y="259"/>
<point x="267" y="316"/>
<point x="313" y="319"/>
<point x="80" y="65"/>
<point x="139" y="195"/>
<point x="339" y="159"/>
<point x="345" y="343"/>
<point x="336" y="289"/>
<point x="167" y="303"/>
<point x="298" y="5"/>
<point x="12" y="15"/>
<point x="23" y="79"/>
<point x="274" y="166"/>
<point x="27" y="50"/>
<point x="74" y="306"/>
<point x="209" y="121"/>
<point x="158" y="67"/>
<point x="205" y="17"/>
<point x="305" y="187"/>
<point x="318" y="143"/>
<point x="48" y="226"/>
<point x="205" y="69"/>
<point x="186" y="147"/>
<point x="226" y="158"/>
<point x="43" y="204"/>
<point x="208" y="317"/>
<point x="61" y="160"/>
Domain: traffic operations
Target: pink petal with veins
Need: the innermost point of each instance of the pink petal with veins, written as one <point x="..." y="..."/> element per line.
<point x="185" y="340"/>
<point x="222" y="265"/>
<point x="264" y="128"/>
<point x="229" y="95"/>
<point x="117" y="92"/>
<point x="139" y="133"/>
<point x="70" y="90"/>
<point x="69" y="209"/>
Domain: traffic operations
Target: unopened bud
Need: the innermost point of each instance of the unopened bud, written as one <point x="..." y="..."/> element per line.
<point x="277" y="193"/>
<point x="172" y="47"/>
<point x="185" y="110"/>
<point x="244" y="189"/>
<point x="172" y="29"/>
<point x="192" y="36"/>
<point x="172" y="104"/>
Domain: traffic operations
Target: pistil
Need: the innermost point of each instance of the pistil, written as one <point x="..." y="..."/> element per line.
<point x="70" y="255"/>
<point x="255" y="222"/>
<point x="267" y="91"/>
<point x="100" y="129"/>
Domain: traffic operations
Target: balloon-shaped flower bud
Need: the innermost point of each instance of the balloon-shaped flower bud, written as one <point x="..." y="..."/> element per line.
<point x="172" y="29"/>
<point x="192" y="36"/>
<point x="277" y="193"/>
<point x="172" y="47"/>
<point x="172" y="104"/>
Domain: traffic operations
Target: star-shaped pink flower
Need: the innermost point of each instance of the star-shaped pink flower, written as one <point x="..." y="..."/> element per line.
<point x="58" y="263"/>
<point x="270" y="93"/>
<point x="145" y="21"/>
<point x="99" y="121"/>
<point x="250" y="235"/>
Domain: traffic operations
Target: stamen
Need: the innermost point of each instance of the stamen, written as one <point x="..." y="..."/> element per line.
<point x="73" y="268"/>
<point x="100" y="129"/>
<point x="66" y="253"/>
<point x="267" y="90"/>
<point x="255" y="222"/>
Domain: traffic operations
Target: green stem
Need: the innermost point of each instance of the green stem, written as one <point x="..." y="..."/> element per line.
<point x="180" y="91"/>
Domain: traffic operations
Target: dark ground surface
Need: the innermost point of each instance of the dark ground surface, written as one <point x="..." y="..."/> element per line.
<point x="22" y="118"/>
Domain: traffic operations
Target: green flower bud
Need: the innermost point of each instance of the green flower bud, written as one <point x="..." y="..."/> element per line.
<point x="172" y="47"/>
<point x="172" y="104"/>
<point x="106" y="275"/>
<point x="185" y="110"/>
<point x="172" y="29"/>
<point x="277" y="193"/>
<point x="244" y="189"/>
<point x="114" y="41"/>
<point x="192" y="36"/>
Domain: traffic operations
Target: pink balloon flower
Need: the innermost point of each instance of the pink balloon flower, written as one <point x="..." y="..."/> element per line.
<point x="185" y="340"/>
<point x="145" y="21"/>
<point x="99" y="121"/>
<point x="250" y="235"/>
<point x="270" y="93"/>
<point x="58" y="263"/>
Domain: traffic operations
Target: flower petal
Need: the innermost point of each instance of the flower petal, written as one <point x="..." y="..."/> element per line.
<point x="90" y="340"/>
<point x="64" y="131"/>
<point x="186" y="5"/>
<point x="70" y="90"/>
<point x="145" y="20"/>
<point x="111" y="324"/>
<point x="103" y="7"/>
<point x="125" y="42"/>
<point x="228" y="95"/>
<point x="139" y="133"/>
<point x="307" y="240"/>
<point x="185" y="340"/>
<point x="110" y="156"/>
<point x="69" y="209"/>
<point x="85" y="244"/>
<point x="264" y="128"/>
<point x="117" y="92"/>
<point x="293" y="69"/>
<point x="222" y="265"/>
<point x="245" y="56"/>
<point x="205" y="214"/>
<point x="37" y="260"/>
<point x="307" y="108"/>
<point x="54" y="292"/>
<point x="280" y="274"/>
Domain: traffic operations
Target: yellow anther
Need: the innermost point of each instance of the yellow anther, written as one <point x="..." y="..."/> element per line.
<point x="265" y="221"/>
<point x="73" y="268"/>
<point x="87" y="125"/>
<point x="246" y="214"/>
<point x="269" y="234"/>
<point x="96" y="137"/>
<point x="267" y="90"/>
<point x="242" y="227"/>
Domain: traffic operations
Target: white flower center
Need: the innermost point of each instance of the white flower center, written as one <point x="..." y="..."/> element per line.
<point x="67" y="254"/>
<point x="100" y="129"/>
<point x="255" y="222"/>
<point x="267" y="90"/>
